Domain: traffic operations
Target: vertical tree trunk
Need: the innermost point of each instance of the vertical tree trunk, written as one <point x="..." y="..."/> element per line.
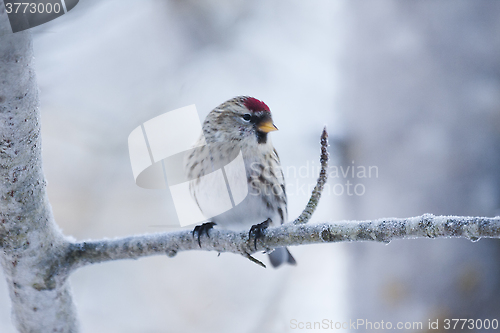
<point x="29" y="238"/>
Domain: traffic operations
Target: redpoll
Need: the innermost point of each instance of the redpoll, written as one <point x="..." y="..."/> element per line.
<point x="240" y="124"/>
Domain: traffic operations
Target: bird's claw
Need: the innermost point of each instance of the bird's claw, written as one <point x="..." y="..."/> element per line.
<point x="258" y="231"/>
<point x="204" y="228"/>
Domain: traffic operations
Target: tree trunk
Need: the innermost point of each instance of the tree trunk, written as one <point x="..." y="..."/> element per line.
<point x="29" y="237"/>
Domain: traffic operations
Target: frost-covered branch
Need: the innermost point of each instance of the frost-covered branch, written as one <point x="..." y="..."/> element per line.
<point x="380" y="230"/>
<point x="294" y="233"/>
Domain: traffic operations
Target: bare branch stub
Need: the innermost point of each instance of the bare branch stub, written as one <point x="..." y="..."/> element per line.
<point x="318" y="189"/>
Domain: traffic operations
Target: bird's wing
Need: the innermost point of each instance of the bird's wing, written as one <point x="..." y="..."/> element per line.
<point x="281" y="180"/>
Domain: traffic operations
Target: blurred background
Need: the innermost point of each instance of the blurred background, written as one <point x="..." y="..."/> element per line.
<point x="408" y="89"/>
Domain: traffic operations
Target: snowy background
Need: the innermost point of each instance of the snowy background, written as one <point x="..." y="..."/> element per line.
<point x="410" y="87"/>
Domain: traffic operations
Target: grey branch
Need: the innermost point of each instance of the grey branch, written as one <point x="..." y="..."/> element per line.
<point x="289" y="234"/>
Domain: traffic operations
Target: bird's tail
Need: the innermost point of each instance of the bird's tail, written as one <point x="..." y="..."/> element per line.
<point x="281" y="255"/>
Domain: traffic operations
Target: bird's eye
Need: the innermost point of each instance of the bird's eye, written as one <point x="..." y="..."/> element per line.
<point x="247" y="117"/>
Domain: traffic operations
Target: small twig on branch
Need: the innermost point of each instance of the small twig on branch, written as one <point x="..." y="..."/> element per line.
<point x="316" y="193"/>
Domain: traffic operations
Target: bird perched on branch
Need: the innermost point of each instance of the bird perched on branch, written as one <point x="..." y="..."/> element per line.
<point x="241" y="124"/>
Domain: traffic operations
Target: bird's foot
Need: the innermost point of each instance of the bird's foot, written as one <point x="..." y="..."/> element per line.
<point x="258" y="231"/>
<point x="200" y="229"/>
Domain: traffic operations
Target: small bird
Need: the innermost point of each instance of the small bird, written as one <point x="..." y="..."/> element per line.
<point x="240" y="124"/>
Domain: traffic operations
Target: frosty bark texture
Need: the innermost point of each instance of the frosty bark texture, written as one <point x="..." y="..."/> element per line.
<point x="289" y="234"/>
<point x="29" y="238"/>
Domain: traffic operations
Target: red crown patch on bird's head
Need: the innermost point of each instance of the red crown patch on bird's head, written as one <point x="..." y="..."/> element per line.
<point x="254" y="105"/>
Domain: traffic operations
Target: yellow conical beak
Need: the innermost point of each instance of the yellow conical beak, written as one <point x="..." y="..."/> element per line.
<point x="267" y="127"/>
